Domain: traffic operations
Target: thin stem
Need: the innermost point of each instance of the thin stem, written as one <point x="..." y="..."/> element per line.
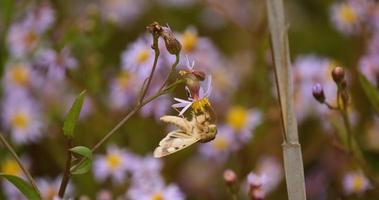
<point x="67" y="173"/>
<point x="345" y="118"/>
<point x="157" y="52"/>
<point x="330" y="106"/>
<point x="15" y="156"/>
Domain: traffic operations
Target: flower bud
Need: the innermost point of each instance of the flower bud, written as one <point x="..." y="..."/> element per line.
<point x="230" y="177"/>
<point x="154" y="28"/>
<point x="338" y="74"/>
<point x="192" y="83"/>
<point x="318" y="93"/>
<point x="173" y="46"/>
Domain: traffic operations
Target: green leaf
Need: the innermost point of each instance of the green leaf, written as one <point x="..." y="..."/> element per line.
<point x="85" y="166"/>
<point x="22" y="185"/>
<point x="73" y="115"/>
<point x="371" y="92"/>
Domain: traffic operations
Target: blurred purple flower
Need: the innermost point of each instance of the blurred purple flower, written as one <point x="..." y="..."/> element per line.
<point x="355" y="183"/>
<point x="346" y="16"/>
<point x="116" y="163"/>
<point x="56" y="63"/>
<point x="49" y="188"/>
<point x="22" y="117"/>
<point x="122" y="12"/>
<point x="243" y="122"/>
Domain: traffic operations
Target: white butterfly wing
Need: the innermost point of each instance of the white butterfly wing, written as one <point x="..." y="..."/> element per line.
<point x="173" y="142"/>
<point x="177" y="121"/>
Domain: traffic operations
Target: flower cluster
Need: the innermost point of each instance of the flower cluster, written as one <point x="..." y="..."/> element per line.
<point x="141" y="173"/>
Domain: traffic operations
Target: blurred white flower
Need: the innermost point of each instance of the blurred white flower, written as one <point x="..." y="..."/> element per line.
<point x="255" y="184"/>
<point x="10" y="166"/>
<point x="147" y="182"/>
<point x="123" y="90"/>
<point x="273" y="173"/>
<point x="138" y="58"/>
<point x="157" y="108"/>
<point x="220" y="148"/>
<point x="122" y="12"/>
<point x="22" y="40"/>
<point x="56" y="63"/>
<point x="170" y="192"/>
<point x="115" y="164"/>
<point x="41" y="18"/>
<point x="22" y="117"/>
<point x="243" y="122"/>
<point x="355" y="183"/>
<point x="146" y="173"/>
<point x="49" y="188"/>
<point x="19" y="76"/>
<point x="346" y="17"/>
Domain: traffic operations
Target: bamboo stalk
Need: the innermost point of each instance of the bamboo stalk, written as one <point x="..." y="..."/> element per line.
<point x="293" y="163"/>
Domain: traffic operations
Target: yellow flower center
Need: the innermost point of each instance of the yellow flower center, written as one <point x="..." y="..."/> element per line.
<point x="20" y="120"/>
<point x="189" y="41"/>
<point x="113" y="161"/>
<point x="237" y="117"/>
<point x="358" y="183"/>
<point x="157" y="196"/>
<point x="123" y="80"/>
<point x="19" y="75"/>
<point x="142" y="56"/>
<point x="200" y="104"/>
<point x="347" y="14"/>
<point x="11" y="167"/>
<point x="220" y="143"/>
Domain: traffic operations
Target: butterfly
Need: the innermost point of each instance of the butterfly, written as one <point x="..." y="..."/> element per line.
<point x="198" y="129"/>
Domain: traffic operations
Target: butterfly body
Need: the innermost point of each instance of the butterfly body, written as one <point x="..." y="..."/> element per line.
<point x="198" y="129"/>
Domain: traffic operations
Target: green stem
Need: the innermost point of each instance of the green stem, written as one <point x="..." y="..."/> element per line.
<point x="67" y="173"/>
<point x="15" y="156"/>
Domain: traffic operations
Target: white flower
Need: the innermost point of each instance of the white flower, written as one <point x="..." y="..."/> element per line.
<point x="114" y="164"/>
<point x="198" y="101"/>
<point x="22" y="116"/>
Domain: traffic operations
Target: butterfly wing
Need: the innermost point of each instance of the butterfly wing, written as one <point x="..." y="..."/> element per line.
<point x="177" y="121"/>
<point x="173" y="142"/>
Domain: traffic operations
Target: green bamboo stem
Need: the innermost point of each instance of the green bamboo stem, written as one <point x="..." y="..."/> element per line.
<point x="293" y="163"/>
